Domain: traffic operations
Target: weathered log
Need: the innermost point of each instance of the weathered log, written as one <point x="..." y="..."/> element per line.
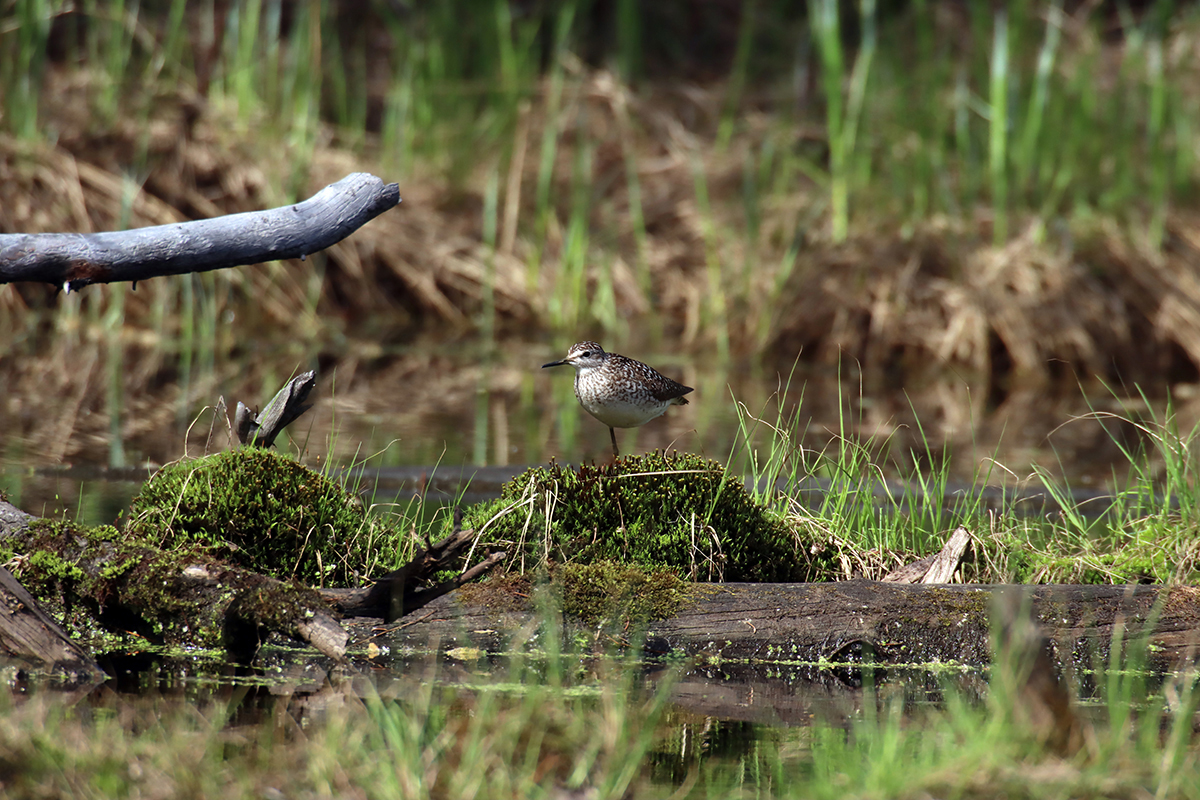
<point x="856" y="621"/>
<point x="28" y="633"/>
<point x="74" y="260"/>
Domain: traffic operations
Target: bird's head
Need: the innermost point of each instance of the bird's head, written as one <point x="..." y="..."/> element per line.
<point x="582" y="355"/>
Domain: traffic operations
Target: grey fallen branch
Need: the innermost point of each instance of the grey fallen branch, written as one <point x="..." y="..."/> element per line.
<point x="75" y="260"/>
<point x="400" y="592"/>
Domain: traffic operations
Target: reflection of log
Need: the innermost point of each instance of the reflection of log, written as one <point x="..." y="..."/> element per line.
<point x="74" y="260"/>
<point x="860" y="620"/>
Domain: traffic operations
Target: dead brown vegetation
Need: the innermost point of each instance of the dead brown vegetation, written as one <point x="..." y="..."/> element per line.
<point x="1053" y="309"/>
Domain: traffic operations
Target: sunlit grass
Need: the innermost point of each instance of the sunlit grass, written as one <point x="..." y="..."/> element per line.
<point x="886" y="503"/>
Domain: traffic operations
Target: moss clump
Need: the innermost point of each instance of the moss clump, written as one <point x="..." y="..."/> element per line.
<point x="677" y="510"/>
<point x="616" y="592"/>
<point x="259" y="510"/>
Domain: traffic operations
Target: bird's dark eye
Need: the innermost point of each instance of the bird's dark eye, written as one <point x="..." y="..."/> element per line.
<point x="585" y="354"/>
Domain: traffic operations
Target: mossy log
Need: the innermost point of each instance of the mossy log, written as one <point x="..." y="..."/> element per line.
<point x="103" y="582"/>
<point x="856" y="621"/>
<point x="177" y="597"/>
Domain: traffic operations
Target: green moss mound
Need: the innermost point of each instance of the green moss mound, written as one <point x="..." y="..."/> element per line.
<point x="260" y="510"/>
<point x="674" y="510"/>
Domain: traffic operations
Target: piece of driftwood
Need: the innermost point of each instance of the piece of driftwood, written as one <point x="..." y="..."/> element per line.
<point x="27" y="632"/>
<point x="74" y="260"/>
<point x="855" y="621"/>
<point x="260" y="430"/>
<point x="937" y="568"/>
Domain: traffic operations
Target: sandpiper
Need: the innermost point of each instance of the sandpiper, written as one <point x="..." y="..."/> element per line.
<point x="618" y="391"/>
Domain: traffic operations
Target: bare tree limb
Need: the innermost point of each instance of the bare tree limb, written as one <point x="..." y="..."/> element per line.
<point x="74" y="260"/>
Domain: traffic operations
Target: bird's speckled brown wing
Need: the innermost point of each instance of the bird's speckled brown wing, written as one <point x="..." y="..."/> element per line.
<point x="661" y="387"/>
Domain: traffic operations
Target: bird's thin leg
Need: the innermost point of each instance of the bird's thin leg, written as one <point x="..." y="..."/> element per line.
<point x="612" y="433"/>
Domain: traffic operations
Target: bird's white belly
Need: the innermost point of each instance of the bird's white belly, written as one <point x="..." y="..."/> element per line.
<point x="619" y="414"/>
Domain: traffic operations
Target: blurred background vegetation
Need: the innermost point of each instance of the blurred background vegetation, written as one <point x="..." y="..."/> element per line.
<point x="970" y="204"/>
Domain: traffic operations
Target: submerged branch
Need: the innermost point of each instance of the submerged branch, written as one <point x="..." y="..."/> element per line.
<point x="74" y="260"/>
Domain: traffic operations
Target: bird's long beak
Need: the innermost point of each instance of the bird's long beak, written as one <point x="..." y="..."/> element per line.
<point x="556" y="363"/>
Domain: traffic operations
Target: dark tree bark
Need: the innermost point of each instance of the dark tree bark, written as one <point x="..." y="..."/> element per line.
<point x="74" y="260"/>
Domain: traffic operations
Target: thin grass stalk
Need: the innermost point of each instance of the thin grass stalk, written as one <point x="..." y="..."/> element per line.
<point x="187" y="342"/>
<point x="172" y="52"/>
<point x="716" y="319"/>
<point x="736" y="83"/>
<point x="629" y="40"/>
<point x="398" y="127"/>
<point x="114" y="321"/>
<point x="826" y="30"/>
<point x="242" y="40"/>
<point x="491" y="213"/>
<point x="117" y="48"/>
<point x="1155" y="146"/>
<point x="1028" y="150"/>
<point x="859" y="76"/>
<point x="633" y="189"/>
<point x="570" y="303"/>
<point x="551" y="131"/>
<point x="22" y="65"/>
<point x="962" y="134"/>
<point x="998" y="127"/>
